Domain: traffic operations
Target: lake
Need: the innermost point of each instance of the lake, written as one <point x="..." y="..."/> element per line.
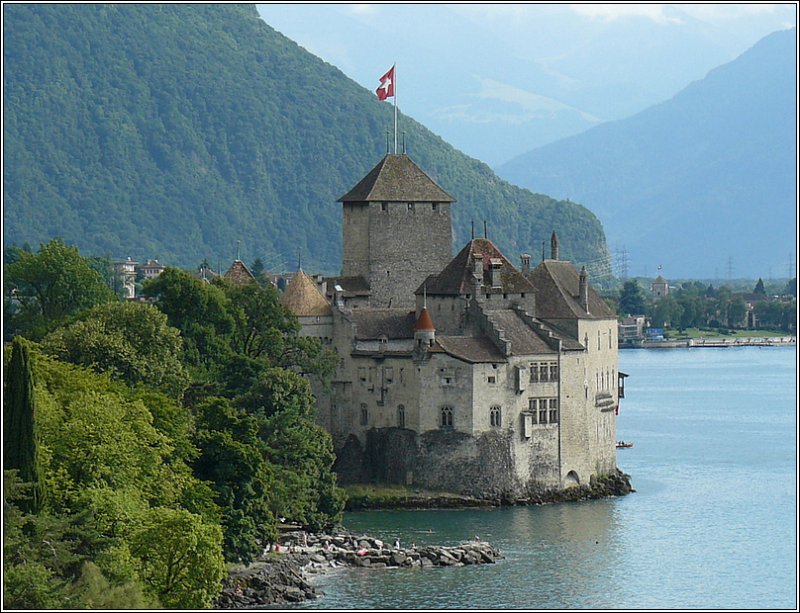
<point x="712" y="524"/>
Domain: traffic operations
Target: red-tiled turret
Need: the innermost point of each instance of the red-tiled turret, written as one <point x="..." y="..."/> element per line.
<point x="424" y="321"/>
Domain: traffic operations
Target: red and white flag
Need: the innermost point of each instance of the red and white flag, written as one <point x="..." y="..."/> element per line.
<point x="386" y="88"/>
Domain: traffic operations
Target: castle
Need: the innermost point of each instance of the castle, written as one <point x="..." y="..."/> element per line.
<point x="460" y="373"/>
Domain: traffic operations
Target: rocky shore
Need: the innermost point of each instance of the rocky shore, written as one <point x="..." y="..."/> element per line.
<point x="282" y="576"/>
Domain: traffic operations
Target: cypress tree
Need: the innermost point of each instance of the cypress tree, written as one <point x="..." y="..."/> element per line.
<point x="19" y="444"/>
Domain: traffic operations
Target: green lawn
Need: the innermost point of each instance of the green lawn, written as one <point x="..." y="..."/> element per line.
<point x="674" y="334"/>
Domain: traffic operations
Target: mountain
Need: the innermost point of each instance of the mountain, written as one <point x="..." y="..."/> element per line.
<point x="510" y="77"/>
<point x="704" y="183"/>
<point x="185" y="132"/>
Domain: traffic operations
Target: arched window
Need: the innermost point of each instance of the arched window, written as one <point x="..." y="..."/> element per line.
<point x="495" y="417"/>
<point x="446" y="420"/>
<point x="401" y="416"/>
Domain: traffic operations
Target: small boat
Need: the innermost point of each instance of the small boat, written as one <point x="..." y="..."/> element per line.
<point x="623" y="445"/>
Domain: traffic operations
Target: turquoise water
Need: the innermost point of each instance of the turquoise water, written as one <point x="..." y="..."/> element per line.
<point x="712" y="524"/>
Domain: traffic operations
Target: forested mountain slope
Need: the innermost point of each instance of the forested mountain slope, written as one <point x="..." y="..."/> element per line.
<point x="176" y="131"/>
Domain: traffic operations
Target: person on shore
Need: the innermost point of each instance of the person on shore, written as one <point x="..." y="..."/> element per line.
<point x="397" y="543"/>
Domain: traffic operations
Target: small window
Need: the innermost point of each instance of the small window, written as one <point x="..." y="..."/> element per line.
<point x="554" y="371"/>
<point x="401" y="416"/>
<point x="492" y="379"/>
<point x="434" y="205"/>
<point x="411" y="206"/>
<point x="384" y="206"/>
<point x="495" y="417"/>
<point x="364" y="415"/>
<point x="553" y="410"/>
<point x="542" y="416"/>
<point x="446" y="420"/>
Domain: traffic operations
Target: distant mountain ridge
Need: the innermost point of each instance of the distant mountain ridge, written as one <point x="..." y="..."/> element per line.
<point x="702" y="183"/>
<point x="178" y="132"/>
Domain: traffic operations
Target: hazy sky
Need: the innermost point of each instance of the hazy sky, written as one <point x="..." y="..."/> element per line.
<point x="497" y="80"/>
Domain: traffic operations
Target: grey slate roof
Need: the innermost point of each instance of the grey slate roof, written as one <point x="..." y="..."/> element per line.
<point x="456" y="278"/>
<point x="470" y="348"/>
<point x="351" y="286"/>
<point x="524" y="340"/>
<point x="372" y="324"/>
<point x="557" y="286"/>
<point x="397" y="179"/>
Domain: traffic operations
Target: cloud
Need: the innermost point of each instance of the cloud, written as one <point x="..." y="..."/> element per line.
<point x="524" y="106"/>
<point x="612" y="12"/>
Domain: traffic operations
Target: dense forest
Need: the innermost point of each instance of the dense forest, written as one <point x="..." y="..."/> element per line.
<point x="146" y="444"/>
<point x="176" y="131"/>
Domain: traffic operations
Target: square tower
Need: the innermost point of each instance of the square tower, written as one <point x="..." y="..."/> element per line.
<point x="396" y="231"/>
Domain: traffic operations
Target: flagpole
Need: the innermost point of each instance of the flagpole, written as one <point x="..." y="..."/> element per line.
<point x="395" y="107"/>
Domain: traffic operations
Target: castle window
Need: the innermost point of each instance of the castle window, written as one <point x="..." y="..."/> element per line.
<point x="434" y="205"/>
<point x="388" y="374"/>
<point x="364" y="415"/>
<point x="446" y="420"/>
<point x="492" y="379"/>
<point x="553" y="410"/>
<point x="495" y="417"/>
<point x="401" y="416"/>
<point x="384" y="206"/>
<point x="554" y="371"/>
<point x="411" y="206"/>
<point x="609" y="338"/>
<point x="542" y="413"/>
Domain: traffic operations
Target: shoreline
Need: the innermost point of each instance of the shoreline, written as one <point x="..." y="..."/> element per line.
<point x="715" y="342"/>
<point x="286" y="576"/>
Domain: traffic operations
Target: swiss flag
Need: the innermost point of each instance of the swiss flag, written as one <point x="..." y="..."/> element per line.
<point x="386" y="88"/>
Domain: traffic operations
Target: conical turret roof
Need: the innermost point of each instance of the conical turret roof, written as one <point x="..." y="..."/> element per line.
<point x="303" y="297"/>
<point x="397" y="178"/>
<point x="424" y="321"/>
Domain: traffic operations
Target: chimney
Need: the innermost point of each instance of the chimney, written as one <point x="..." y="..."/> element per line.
<point x="496" y="266"/>
<point x="583" y="290"/>
<point x="525" y="260"/>
<point x="553" y="246"/>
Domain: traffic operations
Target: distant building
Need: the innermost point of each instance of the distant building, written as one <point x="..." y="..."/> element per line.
<point x="460" y="373"/>
<point x="631" y="330"/>
<point x="127" y="273"/>
<point x="151" y="269"/>
<point x="659" y="288"/>
<point x="239" y="273"/>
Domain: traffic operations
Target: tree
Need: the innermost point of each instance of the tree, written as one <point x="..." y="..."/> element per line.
<point x="631" y="300"/>
<point x="232" y="460"/>
<point x="201" y="312"/>
<point x="50" y="286"/>
<point x="181" y="557"/>
<point x="759" y="288"/>
<point x="300" y="451"/>
<point x="131" y="341"/>
<point x="20" y="449"/>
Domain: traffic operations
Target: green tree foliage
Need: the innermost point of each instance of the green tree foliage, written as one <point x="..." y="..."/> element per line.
<point x="20" y="447"/>
<point x="232" y="461"/>
<point x="131" y="341"/>
<point x="118" y="487"/>
<point x="202" y="313"/>
<point x="631" y="299"/>
<point x="152" y="129"/>
<point x="49" y="286"/>
<point x="300" y="451"/>
<point x="759" y="288"/>
<point x="181" y="557"/>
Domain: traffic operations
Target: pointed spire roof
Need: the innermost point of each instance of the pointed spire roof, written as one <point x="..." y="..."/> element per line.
<point x="424" y="321"/>
<point x="303" y="297"/>
<point x="398" y="179"/>
<point x="456" y="278"/>
<point x="239" y="273"/>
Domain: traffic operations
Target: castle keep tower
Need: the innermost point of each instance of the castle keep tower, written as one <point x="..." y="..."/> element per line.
<point x="396" y="231"/>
